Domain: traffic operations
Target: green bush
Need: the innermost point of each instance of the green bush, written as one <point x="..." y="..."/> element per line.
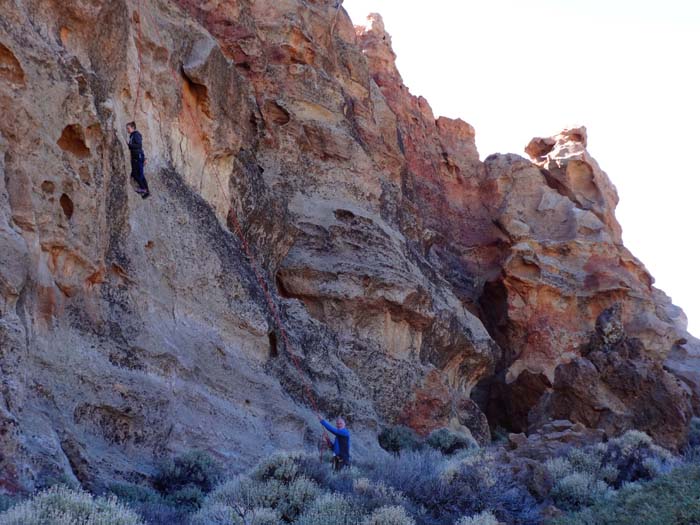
<point x="187" y="498"/>
<point x="449" y="442"/>
<point x="329" y="509"/>
<point x="397" y="438"/>
<point x="63" y="506"/>
<point x="376" y="494"/>
<point x="628" y="458"/>
<point x="282" y="466"/>
<point x="296" y="497"/>
<point x="6" y="501"/>
<point x="578" y="490"/>
<point x="215" y="514"/>
<point x="389" y="516"/>
<point x="132" y="493"/>
<point x="483" y="518"/>
<point x="220" y="514"/>
<point x="670" y="499"/>
<point x="195" y="468"/>
<point x="245" y="495"/>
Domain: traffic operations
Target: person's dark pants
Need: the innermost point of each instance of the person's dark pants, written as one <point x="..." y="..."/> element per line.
<point x="340" y="463"/>
<point x="137" y="172"/>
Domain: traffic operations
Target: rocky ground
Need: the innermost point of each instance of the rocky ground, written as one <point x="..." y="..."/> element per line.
<point x="413" y="282"/>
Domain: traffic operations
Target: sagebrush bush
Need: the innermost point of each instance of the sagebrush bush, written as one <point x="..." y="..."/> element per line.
<point x="672" y="498"/>
<point x="188" y="498"/>
<point x="392" y="515"/>
<point x="64" y="506"/>
<point x="296" y="497"/>
<point x="195" y="468"/>
<point x="443" y="489"/>
<point x="213" y="513"/>
<point x="331" y="508"/>
<point x="577" y="490"/>
<point x="133" y="493"/>
<point x="483" y="518"/>
<point x="245" y="495"/>
<point x="161" y="513"/>
<point x="449" y="442"/>
<point x="399" y="438"/>
<point x="152" y="506"/>
<point x="7" y="501"/>
<point x="629" y="458"/>
<point x="220" y="514"/>
<point x="282" y="466"/>
<point x="376" y="494"/>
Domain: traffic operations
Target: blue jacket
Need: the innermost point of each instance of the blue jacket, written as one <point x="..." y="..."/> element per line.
<point x="341" y="445"/>
<point x="136" y="145"/>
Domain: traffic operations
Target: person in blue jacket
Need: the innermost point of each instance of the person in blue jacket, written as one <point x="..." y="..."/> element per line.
<point x="341" y="444"/>
<point x="138" y="159"/>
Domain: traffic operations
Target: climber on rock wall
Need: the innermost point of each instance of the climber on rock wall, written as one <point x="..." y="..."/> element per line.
<point x="138" y="159"/>
<point x="341" y="444"/>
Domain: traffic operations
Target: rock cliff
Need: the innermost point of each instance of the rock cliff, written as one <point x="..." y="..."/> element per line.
<point x="306" y="209"/>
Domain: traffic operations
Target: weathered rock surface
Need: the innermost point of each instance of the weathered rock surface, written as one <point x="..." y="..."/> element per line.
<point x="411" y="279"/>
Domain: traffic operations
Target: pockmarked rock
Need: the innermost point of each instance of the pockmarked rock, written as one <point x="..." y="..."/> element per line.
<point x="316" y="239"/>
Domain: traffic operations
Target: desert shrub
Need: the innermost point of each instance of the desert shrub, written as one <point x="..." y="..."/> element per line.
<point x="63" y="506"/>
<point x="186" y="498"/>
<point x="220" y="514"/>
<point x="297" y="496"/>
<point x="153" y="507"/>
<point x="282" y="466"/>
<point x="7" y="501"/>
<point x="375" y="494"/>
<point x="577" y="490"/>
<point x="263" y="516"/>
<point x="448" y="442"/>
<point x="628" y="458"/>
<point x="559" y="468"/>
<point x="195" y="468"/>
<point x="398" y="438"/>
<point x="133" y="493"/>
<point x="479" y="484"/>
<point x="392" y="515"/>
<point x="441" y="490"/>
<point x="670" y="499"/>
<point x="636" y="457"/>
<point x="161" y="513"/>
<point x="408" y="472"/>
<point x="215" y="514"/>
<point x="331" y="508"/>
<point x="244" y="496"/>
<point x="483" y="518"/>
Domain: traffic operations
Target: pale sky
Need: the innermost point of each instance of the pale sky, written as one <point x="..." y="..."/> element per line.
<point x="629" y="70"/>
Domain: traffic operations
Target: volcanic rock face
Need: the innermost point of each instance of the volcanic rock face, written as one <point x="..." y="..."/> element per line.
<point x="304" y="204"/>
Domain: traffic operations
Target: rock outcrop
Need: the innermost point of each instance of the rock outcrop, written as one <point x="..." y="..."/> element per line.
<point x="306" y="209"/>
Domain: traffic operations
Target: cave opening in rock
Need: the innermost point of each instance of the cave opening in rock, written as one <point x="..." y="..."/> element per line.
<point x="72" y="140"/>
<point x="198" y="94"/>
<point x="67" y="206"/>
<point x="276" y="113"/>
<point x="506" y="404"/>
<point x="272" y="337"/>
<point x="281" y="290"/>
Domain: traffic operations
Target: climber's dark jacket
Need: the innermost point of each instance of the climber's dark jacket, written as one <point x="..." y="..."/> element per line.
<point x="136" y="145"/>
<point x="341" y="445"/>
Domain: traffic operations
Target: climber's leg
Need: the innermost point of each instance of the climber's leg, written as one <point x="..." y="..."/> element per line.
<point x="138" y="176"/>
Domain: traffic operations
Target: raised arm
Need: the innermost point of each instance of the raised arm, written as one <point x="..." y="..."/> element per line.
<point x="333" y="430"/>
